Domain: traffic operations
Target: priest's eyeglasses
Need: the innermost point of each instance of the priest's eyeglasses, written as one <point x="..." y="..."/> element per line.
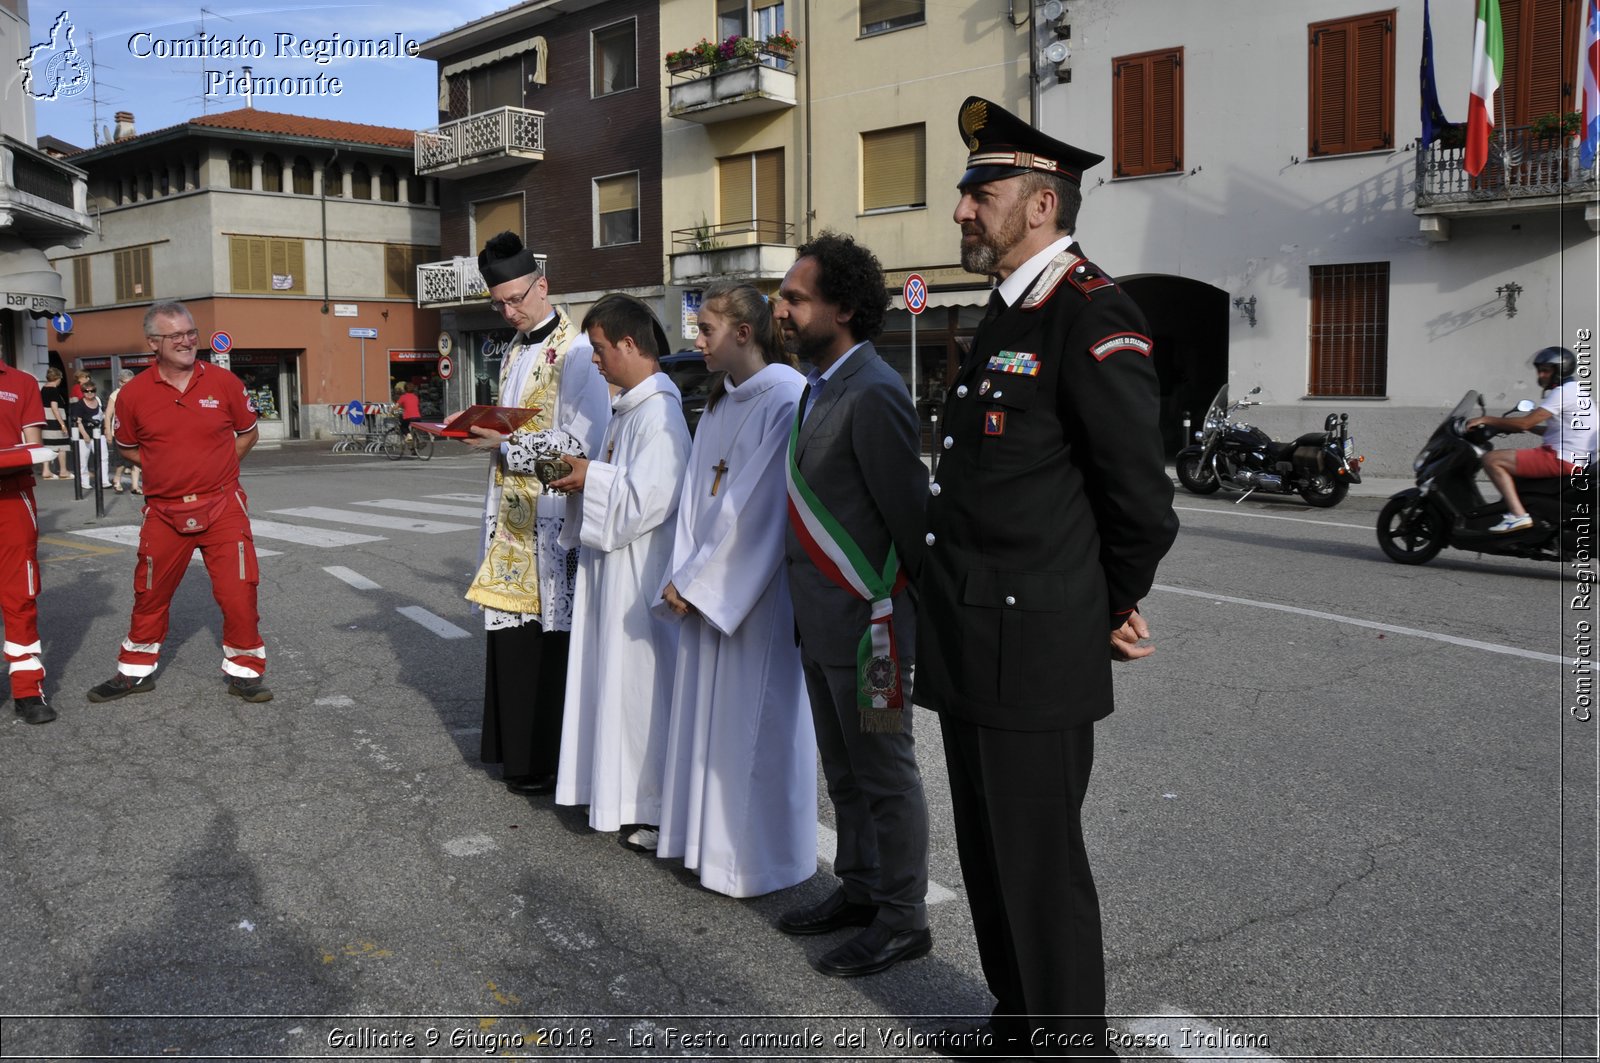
<point x="497" y="305"/>
<point x="177" y="337"/>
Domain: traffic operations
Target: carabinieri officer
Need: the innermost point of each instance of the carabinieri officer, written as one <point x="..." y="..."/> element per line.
<point x="1051" y="508"/>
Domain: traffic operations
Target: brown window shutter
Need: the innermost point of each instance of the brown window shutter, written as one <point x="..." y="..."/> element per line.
<point x="260" y="280"/>
<point x="1349" y="339"/>
<point x="144" y="287"/>
<point x="1330" y="90"/>
<point x="769" y="195"/>
<point x="893" y="168"/>
<point x="1508" y="109"/>
<point x="1351" y="91"/>
<point x="1128" y="92"/>
<point x="1548" y="58"/>
<point x="297" y="264"/>
<point x="1373" y="98"/>
<point x="1166" y="113"/>
<point x="735" y="197"/>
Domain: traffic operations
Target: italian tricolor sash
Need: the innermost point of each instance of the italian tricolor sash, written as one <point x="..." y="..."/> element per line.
<point x="836" y="555"/>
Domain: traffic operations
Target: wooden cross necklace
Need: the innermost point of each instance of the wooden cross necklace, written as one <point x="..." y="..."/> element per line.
<point x="721" y="467"/>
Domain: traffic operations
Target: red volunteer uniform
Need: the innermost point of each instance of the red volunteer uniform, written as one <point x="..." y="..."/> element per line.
<point x="19" y="538"/>
<point x="185" y="441"/>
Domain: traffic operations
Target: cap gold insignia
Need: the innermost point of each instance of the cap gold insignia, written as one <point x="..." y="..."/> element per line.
<point x="973" y="118"/>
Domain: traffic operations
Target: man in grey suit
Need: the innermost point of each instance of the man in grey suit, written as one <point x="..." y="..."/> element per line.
<point x="858" y="491"/>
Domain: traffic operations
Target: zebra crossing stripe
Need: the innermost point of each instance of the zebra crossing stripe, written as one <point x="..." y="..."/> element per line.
<point x="436" y="624"/>
<point x="375" y="520"/>
<point x="128" y="535"/>
<point x="477" y="498"/>
<point x="352" y="577"/>
<point x="407" y="505"/>
<point x="296" y="533"/>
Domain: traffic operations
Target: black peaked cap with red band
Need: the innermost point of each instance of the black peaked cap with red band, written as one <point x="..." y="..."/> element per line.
<point x="1002" y="145"/>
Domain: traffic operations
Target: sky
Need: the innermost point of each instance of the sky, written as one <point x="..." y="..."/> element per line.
<point x="133" y="69"/>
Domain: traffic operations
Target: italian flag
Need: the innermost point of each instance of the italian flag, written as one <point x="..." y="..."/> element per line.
<point x="1488" y="55"/>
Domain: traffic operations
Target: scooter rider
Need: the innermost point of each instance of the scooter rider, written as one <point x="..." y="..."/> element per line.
<point x="1563" y="418"/>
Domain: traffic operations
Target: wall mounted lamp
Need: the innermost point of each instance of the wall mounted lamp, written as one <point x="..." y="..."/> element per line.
<point x="1247" y="308"/>
<point x="1509" y="292"/>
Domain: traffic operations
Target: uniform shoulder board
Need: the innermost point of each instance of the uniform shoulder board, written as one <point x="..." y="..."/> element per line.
<point x="1050" y="279"/>
<point x="1089" y="278"/>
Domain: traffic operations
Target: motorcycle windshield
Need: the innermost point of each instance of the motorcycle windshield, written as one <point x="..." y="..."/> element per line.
<point x="1447" y="428"/>
<point x="1217" y="413"/>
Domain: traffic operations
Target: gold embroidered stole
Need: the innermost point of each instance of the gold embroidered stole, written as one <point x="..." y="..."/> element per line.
<point x="508" y="578"/>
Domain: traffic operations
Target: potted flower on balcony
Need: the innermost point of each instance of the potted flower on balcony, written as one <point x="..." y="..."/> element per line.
<point x="679" y="61"/>
<point x="1557" y="125"/>
<point x="782" y="44"/>
<point x="738" y="49"/>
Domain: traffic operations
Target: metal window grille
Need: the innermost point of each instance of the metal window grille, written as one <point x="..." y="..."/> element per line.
<point x="1350" y="330"/>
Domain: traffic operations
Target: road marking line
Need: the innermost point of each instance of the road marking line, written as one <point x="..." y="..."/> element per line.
<point x="828" y="848"/>
<point x="411" y="506"/>
<point x="436" y="624"/>
<point x="1471" y="644"/>
<point x="1190" y="1037"/>
<point x="352" y="577"/>
<point x="128" y="535"/>
<point x="1270" y="516"/>
<point x="376" y="520"/>
<point x="299" y="533"/>
<point x="478" y="498"/>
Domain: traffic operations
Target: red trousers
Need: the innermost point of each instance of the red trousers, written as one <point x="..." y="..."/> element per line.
<point x="19" y="587"/>
<point x="229" y="552"/>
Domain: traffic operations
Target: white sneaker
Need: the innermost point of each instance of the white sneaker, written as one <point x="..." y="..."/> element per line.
<point x="643" y="840"/>
<point x="1511" y="522"/>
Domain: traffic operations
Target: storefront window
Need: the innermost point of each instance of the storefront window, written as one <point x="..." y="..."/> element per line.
<point x="420" y="371"/>
<point x="261" y="385"/>
<point x="488" y="355"/>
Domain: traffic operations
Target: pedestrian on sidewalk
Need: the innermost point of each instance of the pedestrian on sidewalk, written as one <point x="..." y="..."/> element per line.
<point x="22" y="419"/>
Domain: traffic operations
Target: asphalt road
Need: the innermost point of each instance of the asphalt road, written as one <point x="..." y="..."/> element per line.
<point x="1343" y="812"/>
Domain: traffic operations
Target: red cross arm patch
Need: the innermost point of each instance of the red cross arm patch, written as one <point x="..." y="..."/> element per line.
<point x="1121" y="341"/>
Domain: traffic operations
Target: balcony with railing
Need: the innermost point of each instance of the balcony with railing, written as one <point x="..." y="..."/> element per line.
<point x="42" y="200"/>
<point x="481" y="143"/>
<point x="754" y="249"/>
<point x="1525" y="172"/>
<point x="719" y="91"/>
<point x="454" y="282"/>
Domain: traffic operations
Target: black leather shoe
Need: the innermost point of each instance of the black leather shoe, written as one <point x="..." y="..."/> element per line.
<point x="531" y="784"/>
<point x="249" y="688"/>
<point x="121" y="685"/>
<point x="875" y="949"/>
<point x="35" y="710"/>
<point x="835" y="913"/>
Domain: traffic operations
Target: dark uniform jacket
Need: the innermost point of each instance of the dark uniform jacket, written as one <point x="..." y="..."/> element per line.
<point x="859" y="452"/>
<point x="1051" y="507"/>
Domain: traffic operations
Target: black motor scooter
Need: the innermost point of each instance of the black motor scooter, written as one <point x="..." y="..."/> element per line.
<point x="1447" y="508"/>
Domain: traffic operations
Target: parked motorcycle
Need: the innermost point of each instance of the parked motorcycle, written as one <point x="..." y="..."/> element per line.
<point x="1447" y="508"/>
<point x="1319" y="466"/>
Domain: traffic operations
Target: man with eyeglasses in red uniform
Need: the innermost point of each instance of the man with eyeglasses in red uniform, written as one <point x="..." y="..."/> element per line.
<point x="188" y="423"/>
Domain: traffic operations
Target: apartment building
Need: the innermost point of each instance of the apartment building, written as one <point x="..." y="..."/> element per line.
<point x="797" y="116"/>
<point x="282" y="234"/>
<point x="43" y="202"/>
<point x="1268" y="201"/>
<point x="549" y="127"/>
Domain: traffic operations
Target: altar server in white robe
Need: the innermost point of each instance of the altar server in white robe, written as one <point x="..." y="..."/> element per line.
<point x="619" y="685"/>
<point x="740" y="799"/>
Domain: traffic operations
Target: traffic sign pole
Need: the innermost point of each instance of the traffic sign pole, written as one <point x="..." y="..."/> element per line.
<point x="916" y="297"/>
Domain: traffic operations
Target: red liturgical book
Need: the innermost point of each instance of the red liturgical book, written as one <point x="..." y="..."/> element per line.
<point x="502" y="419"/>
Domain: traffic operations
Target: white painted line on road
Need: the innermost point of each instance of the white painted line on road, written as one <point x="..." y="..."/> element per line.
<point x="337" y="701"/>
<point x="1190" y="1037"/>
<point x="375" y="520"/>
<point x="828" y="848"/>
<point x="128" y="535"/>
<point x="299" y="533"/>
<point x="1271" y="516"/>
<point x="1393" y="629"/>
<point x="471" y="845"/>
<point x="352" y="577"/>
<point x="436" y="624"/>
<point x="478" y="498"/>
<point x="407" y="505"/>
